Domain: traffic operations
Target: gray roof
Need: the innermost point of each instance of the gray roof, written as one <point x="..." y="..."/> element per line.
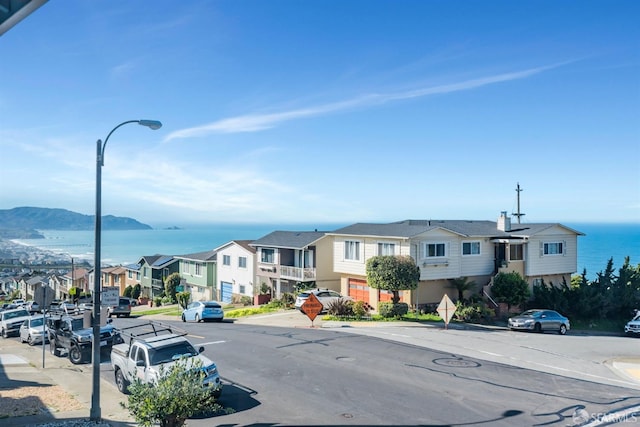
<point x="199" y="256"/>
<point x="467" y="228"/>
<point x="289" y="239"/>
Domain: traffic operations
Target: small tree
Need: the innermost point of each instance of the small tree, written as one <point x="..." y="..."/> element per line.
<point x="171" y="284"/>
<point x="177" y="395"/>
<point x="393" y="273"/>
<point x="462" y="284"/>
<point x="137" y="289"/>
<point x="184" y="298"/>
<point x="127" y="291"/>
<point x="510" y="288"/>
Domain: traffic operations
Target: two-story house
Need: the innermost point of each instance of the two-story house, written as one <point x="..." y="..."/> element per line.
<point x="198" y="274"/>
<point x="114" y="277"/>
<point x="451" y="249"/>
<point x="154" y="270"/>
<point x="236" y="270"/>
<point x="287" y="258"/>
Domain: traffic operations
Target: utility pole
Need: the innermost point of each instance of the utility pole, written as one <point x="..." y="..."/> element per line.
<point x="518" y="214"/>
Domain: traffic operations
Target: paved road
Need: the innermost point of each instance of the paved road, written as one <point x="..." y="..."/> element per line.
<point x="409" y="375"/>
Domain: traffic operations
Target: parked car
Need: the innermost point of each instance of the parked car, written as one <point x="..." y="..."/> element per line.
<point x="19" y="302"/>
<point x="540" y="320"/>
<point x="33" y="330"/>
<point x="122" y="309"/>
<point x="11" y="320"/>
<point x="85" y="306"/>
<point x="68" y="334"/>
<point x="203" y="310"/>
<point x="632" y="328"/>
<point x="8" y="306"/>
<point x="64" y="307"/>
<point x="143" y="357"/>
<point x="32" y="306"/>
<point x="325" y="296"/>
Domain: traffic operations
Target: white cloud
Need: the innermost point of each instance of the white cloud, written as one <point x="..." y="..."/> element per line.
<point x="258" y="122"/>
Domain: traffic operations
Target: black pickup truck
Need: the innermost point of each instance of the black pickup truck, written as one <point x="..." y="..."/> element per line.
<point x="68" y="334"/>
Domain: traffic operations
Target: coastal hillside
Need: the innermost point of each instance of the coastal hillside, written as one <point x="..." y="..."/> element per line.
<point x="14" y="223"/>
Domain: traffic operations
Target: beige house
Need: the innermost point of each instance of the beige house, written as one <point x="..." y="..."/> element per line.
<point x="285" y="259"/>
<point x="452" y="249"/>
<point x="114" y="277"/>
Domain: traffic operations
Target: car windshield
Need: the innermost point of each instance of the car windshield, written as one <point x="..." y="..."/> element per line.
<point x="212" y="305"/>
<point x="171" y="353"/>
<point x="14" y="314"/>
<point x="36" y="322"/>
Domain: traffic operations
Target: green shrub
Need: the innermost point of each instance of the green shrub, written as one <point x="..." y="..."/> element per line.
<point x="184" y="298"/>
<point x="360" y="309"/>
<point x="127" y="291"/>
<point x="177" y="395"/>
<point x="246" y="300"/>
<point x="476" y="312"/>
<point x="157" y="301"/>
<point x="167" y="300"/>
<point x="340" y="307"/>
<point x="388" y="309"/>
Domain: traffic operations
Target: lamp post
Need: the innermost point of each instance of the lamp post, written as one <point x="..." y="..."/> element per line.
<point x="95" y="413"/>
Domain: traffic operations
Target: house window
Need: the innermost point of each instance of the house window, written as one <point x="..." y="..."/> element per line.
<point x="226" y="259"/>
<point x="516" y="252"/>
<point x="242" y="289"/>
<point x="137" y="275"/>
<point x="555" y="248"/>
<point x="242" y="262"/>
<point x="386" y="249"/>
<point x="352" y="250"/>
<point x="145" y="271"/>
<point x="433" y="250"/>
<point x="130" y="274"/>
<point x="267" y="255"/>
<point x="470" y="248"/>
<point x="198" y="269"/>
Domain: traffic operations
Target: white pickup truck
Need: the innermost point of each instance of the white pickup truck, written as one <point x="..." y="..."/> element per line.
<point x="143" y="356"/>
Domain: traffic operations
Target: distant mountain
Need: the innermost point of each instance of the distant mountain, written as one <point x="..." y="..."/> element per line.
<point x="27" y="219"/>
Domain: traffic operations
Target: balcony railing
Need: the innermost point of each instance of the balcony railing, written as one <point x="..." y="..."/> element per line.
<point x="297" y="273"/>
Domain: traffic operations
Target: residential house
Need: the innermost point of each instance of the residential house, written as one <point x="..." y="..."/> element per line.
<point x="285" y="259"/>
<point x="114" y="277"/>
<point x="236" y="270"/>
<point x="77" y="278"/>
<point x="37" y="288"/>
<point x="198" y="275"/>
<point x="154" y="269"/>
<point x="451" y="249"/>
<point x="133" y="275"/>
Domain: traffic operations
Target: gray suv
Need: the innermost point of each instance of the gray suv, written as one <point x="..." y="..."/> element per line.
<point x="122" y="309"/>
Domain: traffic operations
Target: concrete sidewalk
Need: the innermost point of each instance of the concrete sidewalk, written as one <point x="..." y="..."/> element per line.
<point x="22" y="366"/>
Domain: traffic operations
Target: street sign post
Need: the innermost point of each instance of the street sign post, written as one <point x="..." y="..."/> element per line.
<point x="110" y="295"/>
<point x="446" y="309"/>
<point x="311" y="307"/>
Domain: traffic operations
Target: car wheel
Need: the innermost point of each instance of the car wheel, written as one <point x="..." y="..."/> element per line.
<point x="121" y="382"/>
<point x="197" y="318"/>
<point x="184" y="319"/>
<point x="4" y="333"/>
<point x="29" y="340"/>
<point x="75" y="355"/>
<point x="53" y="349"/>
<point x="563" y="330"/>
<point x="537" y="328"/>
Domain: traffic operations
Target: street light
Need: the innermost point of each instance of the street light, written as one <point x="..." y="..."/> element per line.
<point x="95" y="414"/>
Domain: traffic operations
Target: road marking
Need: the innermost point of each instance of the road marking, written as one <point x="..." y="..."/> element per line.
<point x="490" y="353"/>
<point x="212" y="342"/>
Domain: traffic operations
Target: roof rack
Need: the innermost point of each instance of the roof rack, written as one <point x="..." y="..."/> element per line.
<point x="156" y="329"/>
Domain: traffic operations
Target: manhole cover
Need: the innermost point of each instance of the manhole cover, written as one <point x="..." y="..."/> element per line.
<point x="455" y="362"/>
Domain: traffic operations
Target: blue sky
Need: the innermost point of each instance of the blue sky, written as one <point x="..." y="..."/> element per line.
<point x="325" y="111"/>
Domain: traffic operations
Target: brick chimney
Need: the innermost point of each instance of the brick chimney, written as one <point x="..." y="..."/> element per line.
<point x="504" y="222"/>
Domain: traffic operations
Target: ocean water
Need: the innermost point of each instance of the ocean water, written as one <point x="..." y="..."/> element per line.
<point x="600" y="243"/>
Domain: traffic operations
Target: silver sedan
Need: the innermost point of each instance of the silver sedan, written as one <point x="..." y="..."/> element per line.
<point x="32" y="332"/>
<point x="539" y="320"/>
